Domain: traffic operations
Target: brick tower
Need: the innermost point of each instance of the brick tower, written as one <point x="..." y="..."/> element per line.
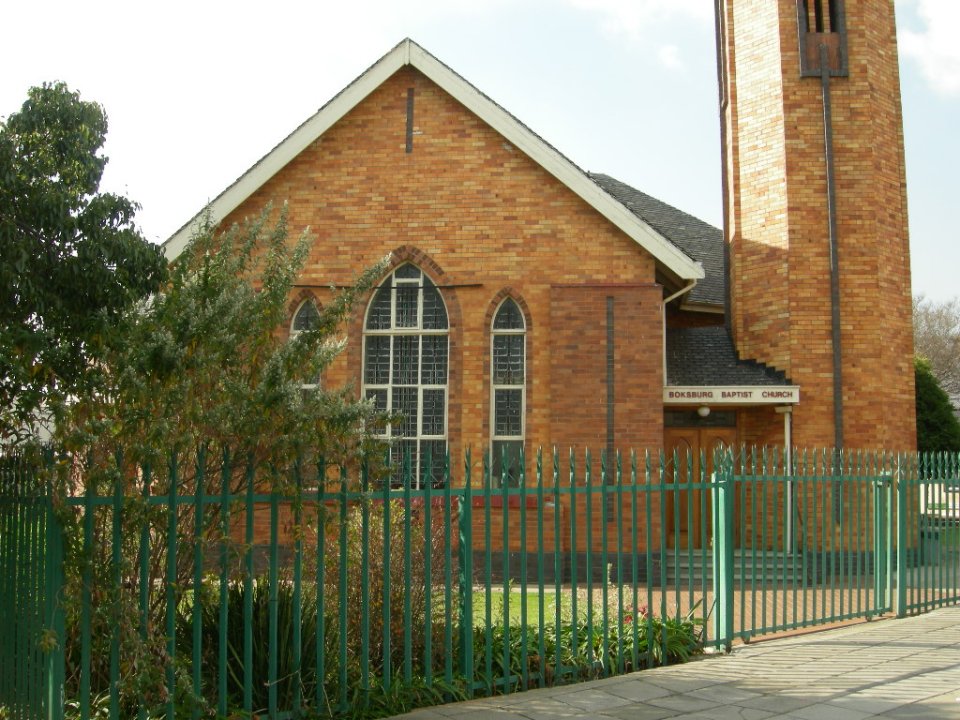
<point x="816" y="214"/>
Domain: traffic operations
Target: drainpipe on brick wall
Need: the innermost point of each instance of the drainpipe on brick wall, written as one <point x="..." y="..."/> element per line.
<point x="833" y="242"/>
<point x="787" y="412"/>
<point x="666" y="300"/>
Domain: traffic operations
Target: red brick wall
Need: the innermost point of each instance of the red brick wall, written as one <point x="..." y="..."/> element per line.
<point x="578" y="366"/>
<point x="683" y="319"/>
<point x="483" y="220"/>
<point x="778" y="231"/>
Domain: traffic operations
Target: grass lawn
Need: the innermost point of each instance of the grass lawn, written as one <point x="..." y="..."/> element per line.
<point x="533" y="599"/>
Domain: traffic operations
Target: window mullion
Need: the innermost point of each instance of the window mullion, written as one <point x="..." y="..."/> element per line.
<point x="523" y="403"/>
<point x="393" y="304"/>
<point x="419" y="430"/>
<point x="420" y="303"/>
<point x="391" y="378"/>
<point x="390" y="386"/>
<point x="389" y="409"/>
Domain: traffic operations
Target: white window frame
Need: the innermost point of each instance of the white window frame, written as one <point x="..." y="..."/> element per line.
<point x="494" y="385"/>
<point x="393" y="332"/>
<point x="294" y="332"/>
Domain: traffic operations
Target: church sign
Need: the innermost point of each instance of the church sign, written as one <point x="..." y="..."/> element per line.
<point x="731" y="395"/>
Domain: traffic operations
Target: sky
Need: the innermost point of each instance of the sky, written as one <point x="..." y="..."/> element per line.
<point x="196" y="92"/>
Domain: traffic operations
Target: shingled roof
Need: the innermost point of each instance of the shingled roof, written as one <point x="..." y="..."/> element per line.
<point x="700" y="240"/>
<point x="706" y="356"/>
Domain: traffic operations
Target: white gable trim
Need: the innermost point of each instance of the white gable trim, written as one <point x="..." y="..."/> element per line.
<point x="409" y="53"/>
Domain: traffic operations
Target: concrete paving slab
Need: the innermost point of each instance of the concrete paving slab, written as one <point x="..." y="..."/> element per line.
<point x="729" y="712"/>
<point x="639" y="712"/>
<point x="637" y="691"/>
<point x="898" y="668"/>
<point x="777" y="704"/>
<point x="684" y="703"/>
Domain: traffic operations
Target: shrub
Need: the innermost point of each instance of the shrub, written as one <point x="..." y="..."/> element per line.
<point x="406" y="585"/>
<point x="660" y="641"/>
<point x="938" y="429"/>
<point x="395" y="698"/>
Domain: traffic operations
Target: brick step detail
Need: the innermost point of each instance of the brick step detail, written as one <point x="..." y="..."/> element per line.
<point x="747" y="569"/>
<point x="769" y="570"/>
<point x="567" y="567"/>
<point x="767" y="576"/>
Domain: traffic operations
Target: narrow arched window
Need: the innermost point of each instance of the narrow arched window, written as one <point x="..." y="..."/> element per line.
<point x="307" y="317"/>
<point x="508" y="391"/>
<point x="405" y="360"/>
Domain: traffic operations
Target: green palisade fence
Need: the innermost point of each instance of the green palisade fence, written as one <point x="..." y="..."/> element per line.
<point x="214" y="585"/>
<point x="31" y="663"/>
<point x="928" y="528"/>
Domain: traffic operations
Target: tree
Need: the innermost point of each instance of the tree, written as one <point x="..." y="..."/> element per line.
<point x="71" y="258"/>
<point x="202" y="362"/>
<point x="937" y="426"/>
<point x="199" y="372"/>
<point x="936" y="337"/>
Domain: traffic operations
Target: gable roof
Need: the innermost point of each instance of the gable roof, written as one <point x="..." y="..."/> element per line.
<point x="698" y="356"/>
<point x="700" y="240"/>
<point x="669" y="257"/>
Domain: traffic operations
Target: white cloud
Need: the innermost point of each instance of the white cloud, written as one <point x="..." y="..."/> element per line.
<point x="669" y="56"/>
<point x="641" y="20"/>
<point x="634" y="16"/>
<point x="935" y="47"/>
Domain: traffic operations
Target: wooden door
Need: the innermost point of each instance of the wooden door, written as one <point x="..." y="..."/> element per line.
<point x="688" y="510"/>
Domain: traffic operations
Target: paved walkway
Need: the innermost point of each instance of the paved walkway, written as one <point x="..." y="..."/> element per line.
<point x="906" y="668"/>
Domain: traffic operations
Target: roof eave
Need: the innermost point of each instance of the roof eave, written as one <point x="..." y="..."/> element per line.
<point x="674" y="260"/>
<point x="295" y="143"/>
<point x="702" y="307"/>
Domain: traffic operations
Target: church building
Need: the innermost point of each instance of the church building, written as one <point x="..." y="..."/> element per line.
<point x="530" y="303"/>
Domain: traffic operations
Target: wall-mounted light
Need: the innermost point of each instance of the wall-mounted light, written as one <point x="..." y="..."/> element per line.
<point x="703" y="411"/>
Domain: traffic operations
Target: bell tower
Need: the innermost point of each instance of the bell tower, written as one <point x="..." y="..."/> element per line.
<point x="815" y="213"/>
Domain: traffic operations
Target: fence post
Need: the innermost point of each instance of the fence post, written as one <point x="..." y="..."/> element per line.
<point x="881" y="546"/>
<point x="465" y="560"/>
<point x="901" y="482"/>
<point x="54" y="582"/>
<point x="723" y="500"/>
<point x="56" y="659"/>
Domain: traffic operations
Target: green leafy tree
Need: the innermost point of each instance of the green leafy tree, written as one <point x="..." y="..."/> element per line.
<point x="71" y="258"/>
<point x="200" y="370"/>
<point x="203" y="361"/>
<point x="937" y="426"/>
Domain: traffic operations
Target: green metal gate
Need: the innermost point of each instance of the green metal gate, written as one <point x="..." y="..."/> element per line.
<point x="800" y="541"/>
<point x="31" y="559"/>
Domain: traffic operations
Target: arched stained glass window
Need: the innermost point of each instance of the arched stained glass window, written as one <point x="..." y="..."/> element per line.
<point x="405" y="361"/>
<point x="305" y="318"/>
<point x="508" y="390"/>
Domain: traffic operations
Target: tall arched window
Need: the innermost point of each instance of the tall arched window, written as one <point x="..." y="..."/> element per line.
<point x="405" y="359"/>
<point x="508" y="385"/>
<point x="306" y="317"/>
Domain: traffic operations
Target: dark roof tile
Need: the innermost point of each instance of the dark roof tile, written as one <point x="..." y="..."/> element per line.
<point x="700" y="240"/>
<point x="705" y="356"/>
